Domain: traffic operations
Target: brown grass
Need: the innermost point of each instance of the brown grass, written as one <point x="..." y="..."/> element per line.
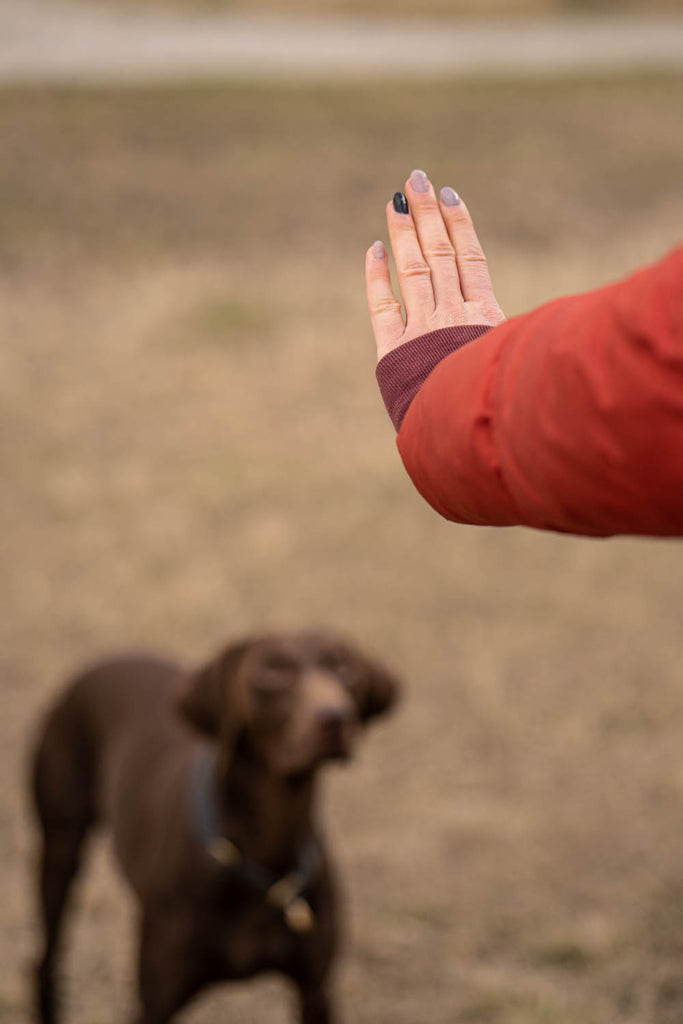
<point x="193" y="446"/>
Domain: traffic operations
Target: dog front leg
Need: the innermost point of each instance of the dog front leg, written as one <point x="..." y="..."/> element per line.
<point x="173" y="965"/>
<point x="315" y="1006"/>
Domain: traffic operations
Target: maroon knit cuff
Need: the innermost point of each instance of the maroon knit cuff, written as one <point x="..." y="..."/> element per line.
<point x="401" y="373"/>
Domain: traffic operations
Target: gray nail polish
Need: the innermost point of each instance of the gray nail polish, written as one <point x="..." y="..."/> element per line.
<point x="378" y="250"/>
<point x="419" y="181"/>
<point x="449" y="197"/>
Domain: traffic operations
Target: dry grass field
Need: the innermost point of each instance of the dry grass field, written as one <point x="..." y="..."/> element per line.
<point x="192" y="447"/>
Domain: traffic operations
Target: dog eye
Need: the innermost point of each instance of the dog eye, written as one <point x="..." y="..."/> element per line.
<point x="337" y="662"/>
<point x="280" y="663"/>
<point x="275" y="676"/>
<point x="269" y="685"/>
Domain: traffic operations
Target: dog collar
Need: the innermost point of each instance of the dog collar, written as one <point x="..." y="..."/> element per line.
<point x="284" y="892"/>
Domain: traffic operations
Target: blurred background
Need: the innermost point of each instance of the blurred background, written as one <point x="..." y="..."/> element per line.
<point x="193" y="447"/>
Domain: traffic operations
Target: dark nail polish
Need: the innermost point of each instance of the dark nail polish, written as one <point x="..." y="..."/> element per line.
<point x="400" y="203"/>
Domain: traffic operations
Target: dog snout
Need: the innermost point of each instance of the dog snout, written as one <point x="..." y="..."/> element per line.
<point x="333" y="719"/>
<point x="334" y="730"/>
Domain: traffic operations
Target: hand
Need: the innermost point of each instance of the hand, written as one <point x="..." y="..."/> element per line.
<point x="442" y="271"/>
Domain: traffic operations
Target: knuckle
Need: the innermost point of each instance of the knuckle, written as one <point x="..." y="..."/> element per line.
<point x="415" y="268"/>
<point x="474" y="254"/>
<point x="380" y="307"/>
<point x="488" y="313"/>
<point x="440" y="251"/>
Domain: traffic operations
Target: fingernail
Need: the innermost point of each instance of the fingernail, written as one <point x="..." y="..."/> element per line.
<point x="419" y="181"/>
<point x="449" y="197"/>
<point x="378" y="250"/>
<point x="400" y="203"/>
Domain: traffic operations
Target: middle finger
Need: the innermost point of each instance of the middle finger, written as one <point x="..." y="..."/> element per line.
<point x="435" y="243"/>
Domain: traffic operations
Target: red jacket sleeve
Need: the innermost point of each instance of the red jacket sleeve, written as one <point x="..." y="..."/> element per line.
<point x="567" y="418"/>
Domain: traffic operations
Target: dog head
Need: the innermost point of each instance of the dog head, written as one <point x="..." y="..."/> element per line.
<point x="290" y="701"/>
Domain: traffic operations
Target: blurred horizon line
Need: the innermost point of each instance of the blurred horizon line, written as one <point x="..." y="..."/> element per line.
<point x="66" y="43"/>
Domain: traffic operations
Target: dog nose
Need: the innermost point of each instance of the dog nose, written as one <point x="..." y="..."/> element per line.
<point x="332" y="719"/>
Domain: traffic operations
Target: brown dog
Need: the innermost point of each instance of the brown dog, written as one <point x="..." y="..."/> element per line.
<point x="214" y="826"/>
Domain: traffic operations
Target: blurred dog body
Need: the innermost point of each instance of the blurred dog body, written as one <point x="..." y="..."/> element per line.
<point x="213" y="826"/>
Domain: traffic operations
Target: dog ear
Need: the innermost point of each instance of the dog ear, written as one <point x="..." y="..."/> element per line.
<point x="381" y="691"/>
<point x="203" y="698"/>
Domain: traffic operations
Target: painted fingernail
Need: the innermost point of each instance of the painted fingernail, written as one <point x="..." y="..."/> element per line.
<point x="419" y="181"/>
<point x="378" y="250"/>
<point x="449" y="197"/>
<point x="400" y="203"/>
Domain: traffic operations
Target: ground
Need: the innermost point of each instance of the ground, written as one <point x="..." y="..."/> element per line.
<point x="193" y="447"/>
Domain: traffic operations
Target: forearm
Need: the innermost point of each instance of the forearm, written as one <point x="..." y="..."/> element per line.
<point x="568" y="418"/>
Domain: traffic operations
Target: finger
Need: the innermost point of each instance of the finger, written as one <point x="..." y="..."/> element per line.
<point x="412" y="270"/>
<point x="385" y="309"/>
<point x="435" y="242"/>
<point x="475" y="281"/>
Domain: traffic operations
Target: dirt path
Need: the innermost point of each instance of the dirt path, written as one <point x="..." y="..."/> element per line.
<point x="90" y="44"/>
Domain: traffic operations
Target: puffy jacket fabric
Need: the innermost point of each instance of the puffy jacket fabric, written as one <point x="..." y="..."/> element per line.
<point x="567" y="418"/>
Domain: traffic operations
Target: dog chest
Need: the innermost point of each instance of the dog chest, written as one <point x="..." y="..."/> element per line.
<point x="249" y="936"/>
